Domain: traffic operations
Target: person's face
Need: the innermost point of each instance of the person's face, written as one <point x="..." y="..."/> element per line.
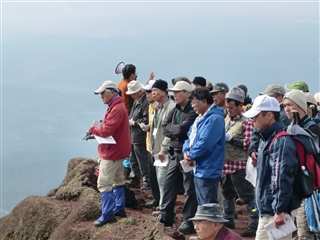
<point x="219" y="98"/>
<point x="181" y="97"/>
<point x="157" y="94"/>
<point x="206" y="230"/>
<point x="149" y="96"/>
<point x="200" y="107"/>
<point x="290" y="107"/>
<point x="136" y="95"/>
<point x="279" y="98"/>
<point x="133" y="76"/>
<point x="106" y="96"/>
<point x="233" y="109"/>
<point x="263" y="120"/>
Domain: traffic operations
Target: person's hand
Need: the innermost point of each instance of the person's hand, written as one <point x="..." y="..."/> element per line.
<point x="131" y="122"/>
<point x="96" y="171"/>
<point x="95" y="124"/>
<point x="161" y="156"/>
<point x="188" y="159"/>
<point x="254" y="158"/>
<point x="279" y="219"/>
<point x="152" y="76"/>
<point x="143" y="127"/>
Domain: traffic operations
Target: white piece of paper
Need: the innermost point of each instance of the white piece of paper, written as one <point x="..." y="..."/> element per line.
<point x="275" y="233"/>
<point x="185" y="166"/>
<point x="251" y="172"/>
<point x="159" y="163"/>
<point x="154" y="132"/>
<point x="107" y="140"/>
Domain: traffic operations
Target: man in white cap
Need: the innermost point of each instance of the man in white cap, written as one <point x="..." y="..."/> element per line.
<point x="138" y="119"/>
<point x="277" y="167"/>
<point x="111" y="177"/>
<point x="176" y="127"/>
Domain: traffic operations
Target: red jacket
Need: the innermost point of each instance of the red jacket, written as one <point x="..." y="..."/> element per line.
<point x="115" y="124"/>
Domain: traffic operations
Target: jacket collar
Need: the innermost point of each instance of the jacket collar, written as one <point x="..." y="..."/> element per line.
<point x="115" y="100"/>
<point x="270" y="131"/>
<point x="141" y="99"/>
<point x="187" y="108"/>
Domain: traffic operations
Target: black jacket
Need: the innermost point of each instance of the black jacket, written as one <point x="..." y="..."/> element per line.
<point x="277" y="168"/>
<point x="177" y="124"/>
<point x="139" y="114"/>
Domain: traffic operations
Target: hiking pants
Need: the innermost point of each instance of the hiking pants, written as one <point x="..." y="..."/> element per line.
<point x="172" y="186"/>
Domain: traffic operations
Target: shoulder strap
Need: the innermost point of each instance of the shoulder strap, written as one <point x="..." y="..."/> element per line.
<point x="277" y="136"/>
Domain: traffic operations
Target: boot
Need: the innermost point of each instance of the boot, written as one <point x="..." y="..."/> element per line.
<point x="107" y="206"/>
<point x="119" y="194"/>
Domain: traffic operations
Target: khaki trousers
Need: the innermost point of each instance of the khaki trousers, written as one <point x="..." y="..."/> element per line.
<point x="111" y="174"/>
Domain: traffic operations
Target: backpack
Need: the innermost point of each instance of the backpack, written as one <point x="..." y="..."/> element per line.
<point x="308" y="178"/>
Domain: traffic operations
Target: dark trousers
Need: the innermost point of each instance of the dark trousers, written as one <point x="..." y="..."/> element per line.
<point x="153" y="179"/>
<point x="139" y="161"/>
<point x="233" y="186"/>
<point x="172" y="188"/>
<point x="206" y="190"/>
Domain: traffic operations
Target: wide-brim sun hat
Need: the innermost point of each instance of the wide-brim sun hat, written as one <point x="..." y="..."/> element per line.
<point x="211" y="212"/>
<point x="133" y="87"/>
<point x="182" y="86"/>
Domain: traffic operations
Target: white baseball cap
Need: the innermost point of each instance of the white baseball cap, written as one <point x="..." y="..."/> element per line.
<point x="106" y="85"/>
<point x="262" y="103"/>
<point x="182" y="86"/>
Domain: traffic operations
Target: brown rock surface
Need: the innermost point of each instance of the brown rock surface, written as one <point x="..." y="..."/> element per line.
<point x="68" y="212"/>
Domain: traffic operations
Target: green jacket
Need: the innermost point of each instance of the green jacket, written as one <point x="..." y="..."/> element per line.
<point x="234" y="147"/>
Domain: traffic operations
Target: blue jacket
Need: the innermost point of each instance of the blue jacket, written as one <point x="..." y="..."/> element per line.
<point x="208" y="146"/>
<point x="277" y="166"/>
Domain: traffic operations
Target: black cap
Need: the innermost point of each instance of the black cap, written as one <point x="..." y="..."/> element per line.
<point x="161" y="84"/>
<point x="199" y="81"/>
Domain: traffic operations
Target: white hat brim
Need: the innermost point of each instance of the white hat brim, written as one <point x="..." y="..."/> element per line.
<point x="99" y="90"/>
<point x="133" y="92"/>
<point x="251" y="113"/>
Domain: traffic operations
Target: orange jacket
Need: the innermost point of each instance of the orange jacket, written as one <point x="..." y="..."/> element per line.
<point x="123" y="87"/>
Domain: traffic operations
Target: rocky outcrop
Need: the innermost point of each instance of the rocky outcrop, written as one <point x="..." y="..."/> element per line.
<point x="68" y="211"/>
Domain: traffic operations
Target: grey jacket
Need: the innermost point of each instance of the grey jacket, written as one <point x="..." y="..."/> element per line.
<point x="158" y="138"/>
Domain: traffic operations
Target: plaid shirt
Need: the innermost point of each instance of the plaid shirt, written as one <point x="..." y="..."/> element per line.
<point x="248" y="129"/>
<point x="231" y="167"/>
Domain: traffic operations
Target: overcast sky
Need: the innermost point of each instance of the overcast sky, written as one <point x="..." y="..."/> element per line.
<point x="234" y="42"/>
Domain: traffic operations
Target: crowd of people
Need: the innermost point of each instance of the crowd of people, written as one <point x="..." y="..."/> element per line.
<point x="198" y="139"/>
